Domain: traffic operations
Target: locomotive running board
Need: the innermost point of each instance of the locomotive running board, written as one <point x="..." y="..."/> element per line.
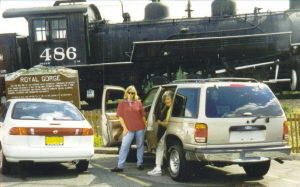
<point x="202" y="47"/>
<point x="100" y="64"/>
<point x="270" y="81"/>
<point x="247" y="66"/>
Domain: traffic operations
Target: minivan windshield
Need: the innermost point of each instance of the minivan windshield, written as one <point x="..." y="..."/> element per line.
<point x="44" y="111"/>
<point x="241" y="101"/>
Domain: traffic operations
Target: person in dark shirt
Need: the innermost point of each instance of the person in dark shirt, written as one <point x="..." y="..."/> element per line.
<point x="163" y="124"/>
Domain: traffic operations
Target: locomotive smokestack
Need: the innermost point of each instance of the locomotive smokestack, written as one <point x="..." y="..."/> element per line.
<point x="294" y="4"/>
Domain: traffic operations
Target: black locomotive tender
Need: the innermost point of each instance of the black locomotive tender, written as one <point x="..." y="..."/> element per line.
<point x="261" y="45"/>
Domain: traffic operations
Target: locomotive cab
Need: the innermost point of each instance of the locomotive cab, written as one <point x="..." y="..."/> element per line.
<point x="58" y="35"/>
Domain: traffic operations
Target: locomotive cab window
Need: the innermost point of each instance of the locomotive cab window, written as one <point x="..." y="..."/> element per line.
<point x="45" y="30"/>
<point x="58" y="29"/>
<point x="41" y="29"/>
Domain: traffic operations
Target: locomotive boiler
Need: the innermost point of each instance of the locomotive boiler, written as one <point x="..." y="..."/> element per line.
<point x="260" y="45"/>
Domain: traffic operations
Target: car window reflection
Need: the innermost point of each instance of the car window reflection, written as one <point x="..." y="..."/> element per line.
<point x="44" y="111"/>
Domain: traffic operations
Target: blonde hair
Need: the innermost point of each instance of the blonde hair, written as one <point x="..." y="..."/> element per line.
<point x="135" y="97"/>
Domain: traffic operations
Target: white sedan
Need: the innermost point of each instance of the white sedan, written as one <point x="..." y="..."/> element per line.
<point x="42" y="130"/>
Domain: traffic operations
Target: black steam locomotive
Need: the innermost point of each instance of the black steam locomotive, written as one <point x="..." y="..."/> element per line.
<point x="261" y="45"/>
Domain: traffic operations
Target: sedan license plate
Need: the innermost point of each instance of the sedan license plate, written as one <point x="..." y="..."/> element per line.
<point x="54" y="140"/>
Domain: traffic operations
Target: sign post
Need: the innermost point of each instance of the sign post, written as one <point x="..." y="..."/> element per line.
<point x="42" y="82"/>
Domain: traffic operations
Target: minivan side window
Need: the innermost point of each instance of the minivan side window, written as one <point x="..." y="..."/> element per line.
<point x="3" y="111"/>
<point x="186" y="103"/>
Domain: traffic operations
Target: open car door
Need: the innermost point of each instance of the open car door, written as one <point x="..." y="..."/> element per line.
<point x="111" y="128"/>
<point x="149" y="103"/>
<point x="153" y="105"/>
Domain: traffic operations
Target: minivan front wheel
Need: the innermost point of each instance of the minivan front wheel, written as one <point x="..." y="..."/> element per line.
<point x="4" y="165"/>
<point x="131" y="156"/>
<point x="257" y="169"/>
<point x="178" y="166"/>
<point x="82" y="165"/>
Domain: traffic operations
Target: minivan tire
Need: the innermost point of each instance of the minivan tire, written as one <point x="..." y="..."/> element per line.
<point x="257" y="169"/>
<point x="131" y="156"/>
<point x="177" y="164"/>
<point x="4" y="165"/>
<point x="82" y="165"/>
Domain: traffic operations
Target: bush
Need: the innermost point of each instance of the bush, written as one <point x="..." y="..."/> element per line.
<point x="180" y="75"/>
<point x="148" y="87"/>
<point x="97" y="141"/>
<point x="285" y="108"/>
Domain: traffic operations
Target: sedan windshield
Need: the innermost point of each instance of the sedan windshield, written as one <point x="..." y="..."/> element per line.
<point x="43" y="111"/>
<point x="241" y="101"/>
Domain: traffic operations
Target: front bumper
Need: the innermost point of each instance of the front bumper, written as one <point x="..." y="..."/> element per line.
<point x="237" y="155"/>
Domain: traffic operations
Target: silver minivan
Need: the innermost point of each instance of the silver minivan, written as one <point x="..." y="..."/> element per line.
<point x="219" y="122"/>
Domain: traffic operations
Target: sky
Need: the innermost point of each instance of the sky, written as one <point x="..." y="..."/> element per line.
<point x="111" y="10"/>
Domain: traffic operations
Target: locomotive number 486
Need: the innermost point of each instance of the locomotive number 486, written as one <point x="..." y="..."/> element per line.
<point x="59" y="54"/>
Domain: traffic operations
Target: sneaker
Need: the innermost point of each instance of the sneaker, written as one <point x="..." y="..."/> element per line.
<point x="154" y="172"/>
<point x="140" y="167"/>
<point x="116" y="169"/>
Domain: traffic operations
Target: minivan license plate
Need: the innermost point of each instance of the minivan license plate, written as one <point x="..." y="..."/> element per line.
<point x="54" y="140"/>
<point x="246" y="136"/>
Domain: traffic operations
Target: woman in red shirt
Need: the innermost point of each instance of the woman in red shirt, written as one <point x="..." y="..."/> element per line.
<point x="133" y="120"/>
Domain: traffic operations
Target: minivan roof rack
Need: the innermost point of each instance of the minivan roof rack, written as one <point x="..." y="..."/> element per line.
<point x="225" y="79"/>
<point x="233" y="79"/>
<point x="188" y="80"/>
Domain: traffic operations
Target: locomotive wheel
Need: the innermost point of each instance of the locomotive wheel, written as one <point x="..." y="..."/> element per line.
<point x="193" y="76"/>
<point x="293" y="83"/>
<point x="158" y="80"/>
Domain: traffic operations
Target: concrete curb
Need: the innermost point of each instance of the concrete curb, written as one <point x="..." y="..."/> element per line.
<point x="106" y="150"/>
<point x="114" y="150"/>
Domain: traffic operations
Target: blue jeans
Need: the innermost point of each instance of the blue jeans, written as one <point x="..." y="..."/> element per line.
<point x="126" y="142"/>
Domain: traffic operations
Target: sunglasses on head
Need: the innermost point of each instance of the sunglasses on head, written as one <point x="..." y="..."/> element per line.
<point x="132" y="93"/>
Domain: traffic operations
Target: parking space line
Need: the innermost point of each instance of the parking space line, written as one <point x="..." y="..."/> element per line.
<point x="289" y="180"/>
<point x="273" y="176"/>
<point x="135" y="180"/>
<point x="100" y="166"/>
<point x="122" y="175"/>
